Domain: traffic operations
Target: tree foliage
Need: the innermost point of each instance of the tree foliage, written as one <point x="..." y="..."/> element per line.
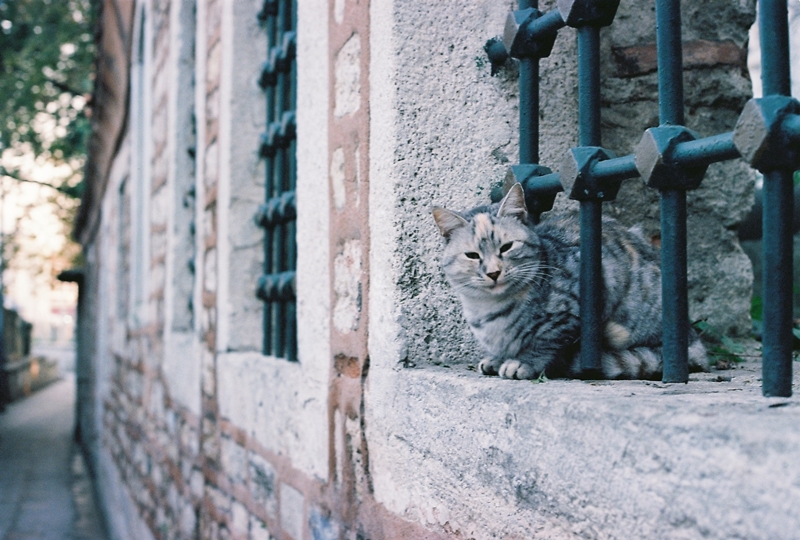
<point x="46" y="78"/>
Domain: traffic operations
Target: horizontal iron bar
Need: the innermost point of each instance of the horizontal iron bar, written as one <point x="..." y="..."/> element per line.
<point x="615" y="169"/>
<point x="277" y="287"/>
<point x="546" y="24"/>
<point x="279" y="134"/>
<point x="277" y="210"/>
<point x="279" y="60"/>
<point x="689" y="154"/>
<point x="548" y="184"/>
<point x="706" y="150"/>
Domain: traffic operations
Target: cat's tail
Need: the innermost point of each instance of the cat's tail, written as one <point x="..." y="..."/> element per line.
<point x="646" y="362"/>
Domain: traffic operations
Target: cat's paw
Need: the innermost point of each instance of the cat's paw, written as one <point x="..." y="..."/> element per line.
<point x="489" y="366"/>
<point x="514" y="369"/>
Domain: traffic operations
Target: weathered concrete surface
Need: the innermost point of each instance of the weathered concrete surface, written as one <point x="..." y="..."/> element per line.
<point x="443" y="130"/>
<point x="494" y="458"/>
<point x="45" y="489"/>
<point x="291" y="419"/>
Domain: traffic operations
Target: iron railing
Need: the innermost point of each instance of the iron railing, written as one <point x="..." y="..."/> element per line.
<point x="669" y="158"/>
<point x="276" y="287"/>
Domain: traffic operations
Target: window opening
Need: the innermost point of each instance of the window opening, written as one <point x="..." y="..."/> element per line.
<point x="277" y="216"/>
<point x="670" y="158"/>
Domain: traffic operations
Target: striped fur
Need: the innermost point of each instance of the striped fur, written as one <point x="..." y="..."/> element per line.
<point x="519" y="287"/>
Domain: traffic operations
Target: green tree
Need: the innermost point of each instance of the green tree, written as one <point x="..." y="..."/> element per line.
<point x="46" y="78"/>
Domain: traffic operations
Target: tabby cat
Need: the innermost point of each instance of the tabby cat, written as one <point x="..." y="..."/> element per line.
<point x="519" y="287"/>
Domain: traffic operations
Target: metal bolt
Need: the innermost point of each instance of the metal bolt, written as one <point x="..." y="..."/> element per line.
<point x="766" y="133"/>
<point x="656" y="163"/>
<point x="523" y="37"/>
<point x="577" y="179"/>
<point x="539" y="184"/>
<point x="588" y="12"/>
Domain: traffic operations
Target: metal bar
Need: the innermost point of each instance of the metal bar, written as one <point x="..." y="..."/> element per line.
<point x="706" y="150"/>
<point x="691" y="153"/>
<point x="674" y="289"/>
<point x="675" y="307"/>
<point x="529" y="103"/>
<point x="778" y="203"/>
<point x="619" y="168"/>
<point x="670" y="62"/>
<point x="291" y="323"/>
<point x="277" y="287"/>
<point x="591" y="284"/>
<point x="270" y="9"/>
<point x="278" y="210"/>
<point x="589" y="86"/>
<point x="283" y="19"/>
<point x="549" y="184"/>
<point x="546" y="24"/>
<point x="773" y="28"/>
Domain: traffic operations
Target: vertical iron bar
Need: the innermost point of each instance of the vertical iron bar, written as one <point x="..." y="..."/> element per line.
<point x="269" y="181"/>
<point x="291" y="228"/>
<point x="281" y="104"/>
<point x="591" y="285"/>
<point x="529" y="103"/>
<point x="773" y="28"/>
<point x="674" y="293"/>
<point x="778" y="202"/>
<point x="674" y="289"/>
<point x="670" y="62"/>
<point x="589" y="86"/>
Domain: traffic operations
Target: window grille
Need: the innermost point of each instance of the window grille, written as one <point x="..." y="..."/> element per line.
<point x="277" y="216"/>
<point x="671" y="159"/>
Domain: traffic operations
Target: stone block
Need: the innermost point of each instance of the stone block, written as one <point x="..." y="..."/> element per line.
<point x="338" y="178"/>
<point x="188" y="520"/>
<point x="263" y="484"/>
<point x="347" y="287"/>
<point x="259" y="530"/>
<point x="321" y="525"/>
<point x="347" y="82"/>
<point x="292" y="511"/>
<point x="240" y="519"/>
<point x="233" y="458"/>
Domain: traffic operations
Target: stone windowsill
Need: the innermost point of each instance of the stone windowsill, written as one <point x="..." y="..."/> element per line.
<point x="619" y="459"/>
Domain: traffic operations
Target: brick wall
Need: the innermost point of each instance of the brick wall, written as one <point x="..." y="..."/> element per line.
<point x="154" y="441"/>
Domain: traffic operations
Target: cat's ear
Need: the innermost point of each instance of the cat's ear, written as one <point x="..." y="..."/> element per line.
<point x="447" y="220"/>
<point x="513" y="204"/>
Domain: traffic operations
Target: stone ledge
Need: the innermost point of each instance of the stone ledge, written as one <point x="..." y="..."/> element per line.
<point x="611" y="459"/>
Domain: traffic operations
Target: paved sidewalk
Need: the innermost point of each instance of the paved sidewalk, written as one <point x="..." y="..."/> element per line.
<point x="45" y="490"/>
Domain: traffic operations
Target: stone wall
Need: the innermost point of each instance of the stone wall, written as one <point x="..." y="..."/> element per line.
<point x="196" y="434"/>
<point x="716" y="87"/>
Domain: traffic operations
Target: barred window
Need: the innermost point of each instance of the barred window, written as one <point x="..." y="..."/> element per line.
<point x="276" y="287"/>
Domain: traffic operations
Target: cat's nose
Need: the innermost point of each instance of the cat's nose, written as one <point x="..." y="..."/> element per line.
<point x="494" y="275"/>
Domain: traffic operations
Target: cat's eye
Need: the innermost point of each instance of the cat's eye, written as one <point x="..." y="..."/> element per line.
<point x="472" y="255"/>
<point x="505" y="247"/>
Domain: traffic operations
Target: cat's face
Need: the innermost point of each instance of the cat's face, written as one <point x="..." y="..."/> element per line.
<point x="491" y="250"/>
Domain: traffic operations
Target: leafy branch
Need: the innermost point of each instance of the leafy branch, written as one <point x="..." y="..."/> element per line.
<point x="70" y="191"/>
